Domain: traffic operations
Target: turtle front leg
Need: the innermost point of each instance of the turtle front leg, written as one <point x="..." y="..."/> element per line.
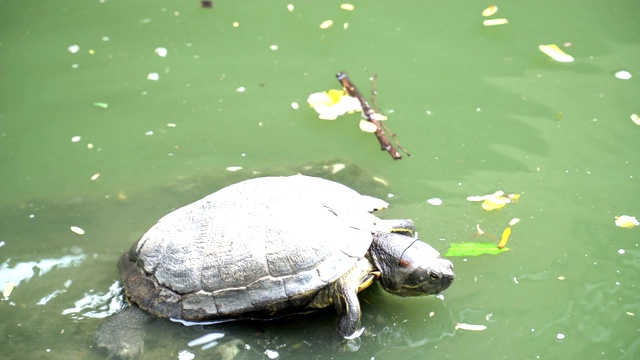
<point x="345" y="299"/>
<point x="122" y="334"/>
<point x="348" y="308"/>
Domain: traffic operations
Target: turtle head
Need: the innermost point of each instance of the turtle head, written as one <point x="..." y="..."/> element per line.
<point x="409" y="266"/>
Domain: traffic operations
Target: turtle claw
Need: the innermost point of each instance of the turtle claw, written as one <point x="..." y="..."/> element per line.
<point x="355" y="335"/>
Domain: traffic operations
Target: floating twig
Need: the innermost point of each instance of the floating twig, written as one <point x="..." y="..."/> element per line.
<point x="371" y="116"/>
<point x="374" y="92"/>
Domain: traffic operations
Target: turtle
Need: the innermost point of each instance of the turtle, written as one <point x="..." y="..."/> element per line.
<point x="268" y="247"/>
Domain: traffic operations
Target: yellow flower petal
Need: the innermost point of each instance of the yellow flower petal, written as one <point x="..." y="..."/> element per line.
<point x="330" y="105"/>
<point x="505" y="237"/>
<point x="348" y="7"/>
<point x="496" y="200"/>
<point x="490" y="10"/>
<point x="378" y="117"/>
<point x="336" y="95"/>
<point x="368" y="126"/>
<point x="626" y="221"/>
<point x="490" y="205"/>
<point x="554" y="52"/>
<point x="493" y="22"/>
<point x="326" y="24"/>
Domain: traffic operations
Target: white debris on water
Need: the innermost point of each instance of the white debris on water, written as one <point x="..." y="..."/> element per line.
<point x="623" y="75"/>
<point x="205" y="339"/>
<point x="77" y="230"/>
<point x="435" y="201"/>
<point x="186" y="355"/>
<point x="470" y="327"/>
<point x="162" y="52"/>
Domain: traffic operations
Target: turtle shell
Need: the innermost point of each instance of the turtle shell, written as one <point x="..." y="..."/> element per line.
<point x="258" y="247"/>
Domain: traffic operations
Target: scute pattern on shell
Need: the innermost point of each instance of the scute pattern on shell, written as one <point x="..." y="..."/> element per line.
<point x="259" y="245"/>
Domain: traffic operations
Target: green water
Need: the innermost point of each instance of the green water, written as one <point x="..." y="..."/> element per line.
<point x="480" y="108"/>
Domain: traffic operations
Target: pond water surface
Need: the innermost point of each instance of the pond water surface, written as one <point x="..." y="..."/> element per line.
<point x="102" y="130"/>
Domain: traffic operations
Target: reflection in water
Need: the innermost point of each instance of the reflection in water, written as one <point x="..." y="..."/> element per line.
<point x="44" y="300"/>
<point x="98" y="305"/>
<point x="25" y="271"/>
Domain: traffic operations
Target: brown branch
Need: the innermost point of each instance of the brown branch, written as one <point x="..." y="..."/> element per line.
<point x="369" y="113"/>
<point x="374" y="92"/>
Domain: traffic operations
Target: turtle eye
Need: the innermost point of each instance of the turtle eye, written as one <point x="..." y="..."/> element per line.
<point x="434" y="277"/>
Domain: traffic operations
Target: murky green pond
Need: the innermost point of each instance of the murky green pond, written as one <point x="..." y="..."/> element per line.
<point x="113" y="113"/>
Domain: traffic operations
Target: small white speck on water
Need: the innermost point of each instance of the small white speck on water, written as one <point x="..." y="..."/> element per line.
<point x="560" y="336"/>
<point x="162" y="52"/>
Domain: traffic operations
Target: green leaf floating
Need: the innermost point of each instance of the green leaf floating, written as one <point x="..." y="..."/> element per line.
<point x="474" y="249"/>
